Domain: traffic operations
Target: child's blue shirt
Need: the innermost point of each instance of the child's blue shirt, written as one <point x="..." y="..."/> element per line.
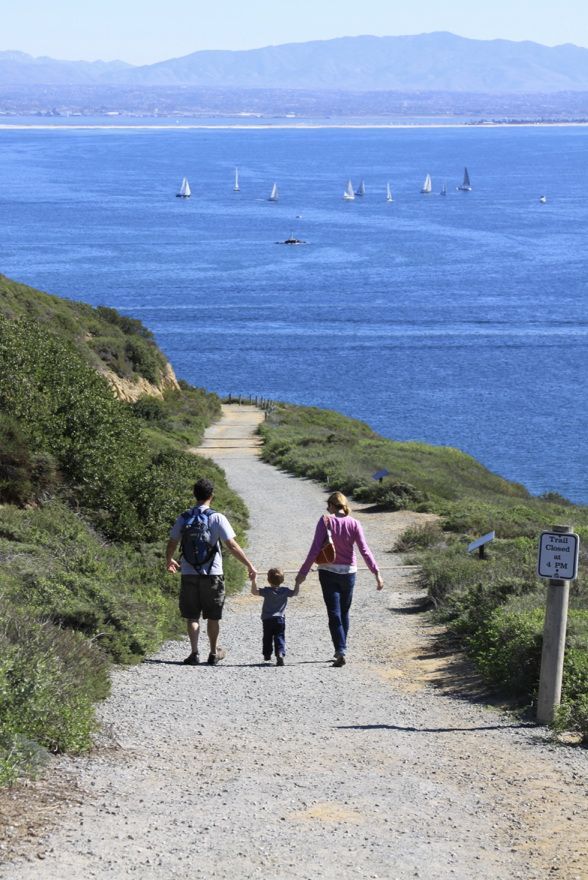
<point x="275" y="600"/>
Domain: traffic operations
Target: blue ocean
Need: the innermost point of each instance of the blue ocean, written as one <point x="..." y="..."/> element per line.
<point x="458" y="320"/>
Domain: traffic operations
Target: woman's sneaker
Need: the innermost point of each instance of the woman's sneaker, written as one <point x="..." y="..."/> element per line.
<point x="214" y="659"/>
<point x="192" y="659"/>
<point x="279" y="661"/>
<point x="339" y="661"/>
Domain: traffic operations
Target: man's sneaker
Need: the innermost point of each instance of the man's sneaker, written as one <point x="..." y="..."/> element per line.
<point x="214" y="659"/>
<point x="192" y="659"/>
<point x="339" y="661"/>
<point x="279" y="661"/>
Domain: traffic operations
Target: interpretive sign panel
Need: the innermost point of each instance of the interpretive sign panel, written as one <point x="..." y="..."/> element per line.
<point x="558" y="555"/>
<point x="479" y="542"/>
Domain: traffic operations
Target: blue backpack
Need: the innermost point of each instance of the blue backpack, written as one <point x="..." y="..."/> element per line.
<point x="196" y="542"/>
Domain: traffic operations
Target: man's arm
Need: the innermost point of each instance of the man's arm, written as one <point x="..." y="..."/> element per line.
<point x="238" y="553"/>
<point x="170" y="563"/>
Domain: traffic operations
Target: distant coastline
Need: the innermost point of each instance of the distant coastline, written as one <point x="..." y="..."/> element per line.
<point x="242" y="126"/>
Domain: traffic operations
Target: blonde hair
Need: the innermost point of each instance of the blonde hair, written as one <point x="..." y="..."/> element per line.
<point x="275" y="577"/>
<point x="339" y="502"/>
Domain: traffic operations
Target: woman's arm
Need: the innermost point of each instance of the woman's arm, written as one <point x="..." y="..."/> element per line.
<point x="367" y="555"/>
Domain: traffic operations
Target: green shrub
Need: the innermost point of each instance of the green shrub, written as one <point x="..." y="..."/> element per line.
<point x="150" y="409"/>
<point x="507" y="649"/>
<point x="25" y="476"/>
<point x="129" y="326"/>
<point x="419" y="537"/>
<point x="391" y="495"/>
<point x="20" y="757"/>
<point x="49" y="678"/>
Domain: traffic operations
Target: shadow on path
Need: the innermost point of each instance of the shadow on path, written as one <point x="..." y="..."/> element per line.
<point x="434" y="729"/>
<point x="224" y="665"/>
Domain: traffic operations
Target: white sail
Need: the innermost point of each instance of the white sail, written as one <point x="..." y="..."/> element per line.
<point x="236" y="187"/>
<point x="349" y="195"/>
<point x="360" y="189"/>
<point x="389" y="193"/>
<point x="274" y="193"/>
<point x="466" y="186"/>
<point x="444" y="189"/>
<point x="185" y="191"/>
<point x="427" y="185"/>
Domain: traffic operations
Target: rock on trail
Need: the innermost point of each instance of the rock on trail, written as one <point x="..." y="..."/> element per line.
<point x="309" y="772"/>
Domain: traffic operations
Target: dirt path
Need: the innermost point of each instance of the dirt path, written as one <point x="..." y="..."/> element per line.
<point x="372" y="771"/>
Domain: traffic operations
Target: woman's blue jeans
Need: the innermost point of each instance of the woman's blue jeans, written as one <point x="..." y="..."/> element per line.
<point x="337" y="593"/>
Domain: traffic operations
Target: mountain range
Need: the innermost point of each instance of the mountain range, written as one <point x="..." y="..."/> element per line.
<point x="437" y="61"/>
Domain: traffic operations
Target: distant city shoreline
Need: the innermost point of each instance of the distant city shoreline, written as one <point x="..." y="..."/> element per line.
<point x="264" y="126"/>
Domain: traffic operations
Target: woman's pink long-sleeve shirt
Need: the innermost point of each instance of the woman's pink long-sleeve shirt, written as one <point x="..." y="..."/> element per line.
<point x="346" y="533"/>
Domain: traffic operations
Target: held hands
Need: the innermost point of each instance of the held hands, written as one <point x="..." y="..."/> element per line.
<point x="379" y="582"/>
<point x="299" y="580"/>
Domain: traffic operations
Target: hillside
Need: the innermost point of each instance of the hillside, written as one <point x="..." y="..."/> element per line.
<point x="118" y="347"/>
<point x="425" y="62"/>
<point x="89" y="486"/>
<point x="429" y="62"/>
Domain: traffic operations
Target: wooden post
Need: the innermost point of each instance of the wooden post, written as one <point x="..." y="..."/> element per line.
<point x="554" y="643"/>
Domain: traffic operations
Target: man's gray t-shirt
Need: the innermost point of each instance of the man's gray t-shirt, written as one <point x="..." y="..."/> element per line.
<point x="275" y="600"/>
<point x="220" y="530"/>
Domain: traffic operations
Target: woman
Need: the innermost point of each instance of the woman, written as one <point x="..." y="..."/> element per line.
<point x="338" y="578"/>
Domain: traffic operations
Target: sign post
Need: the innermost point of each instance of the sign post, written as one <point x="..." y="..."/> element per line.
<point x="558" y="561"/>
<point x="480" y="544"/>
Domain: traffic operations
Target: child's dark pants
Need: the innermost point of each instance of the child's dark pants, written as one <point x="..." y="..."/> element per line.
<point x="274" y="634"/>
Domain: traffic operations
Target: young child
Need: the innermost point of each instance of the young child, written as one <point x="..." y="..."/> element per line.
<point x="275" y="599"/>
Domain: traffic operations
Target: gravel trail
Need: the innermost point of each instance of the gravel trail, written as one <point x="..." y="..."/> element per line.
<point x="381" y="769"/>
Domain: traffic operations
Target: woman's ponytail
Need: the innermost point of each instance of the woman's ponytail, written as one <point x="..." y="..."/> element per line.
<point x="339" y="502"/>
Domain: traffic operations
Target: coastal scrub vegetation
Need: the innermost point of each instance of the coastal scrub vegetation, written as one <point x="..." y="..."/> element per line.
<point x="493" y="608"/>
<point x="89" y="486"/>
<point x="103" y="337"/>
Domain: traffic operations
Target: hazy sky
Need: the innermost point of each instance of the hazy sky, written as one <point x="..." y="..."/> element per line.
<point x="143" y="31"/>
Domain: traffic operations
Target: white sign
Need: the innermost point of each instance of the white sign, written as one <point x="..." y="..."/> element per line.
<point x="558" y="555"/>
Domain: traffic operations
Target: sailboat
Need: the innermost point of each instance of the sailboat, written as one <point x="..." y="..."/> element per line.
<point x="236" y="187"/>
<point x="389" y="193"/>
<point x="443" y="190"/>
<point x="543" y="199"/>
<point x="349" y="195"/>
<point x="273" y="197"/>
<point x="185" y="191"/>
<point x="427" y="185"/>
<point x="466" y="186"/>
<point x="360" y="191"/>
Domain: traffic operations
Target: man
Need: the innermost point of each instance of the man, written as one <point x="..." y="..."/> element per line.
<point x="202" y="591"/>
